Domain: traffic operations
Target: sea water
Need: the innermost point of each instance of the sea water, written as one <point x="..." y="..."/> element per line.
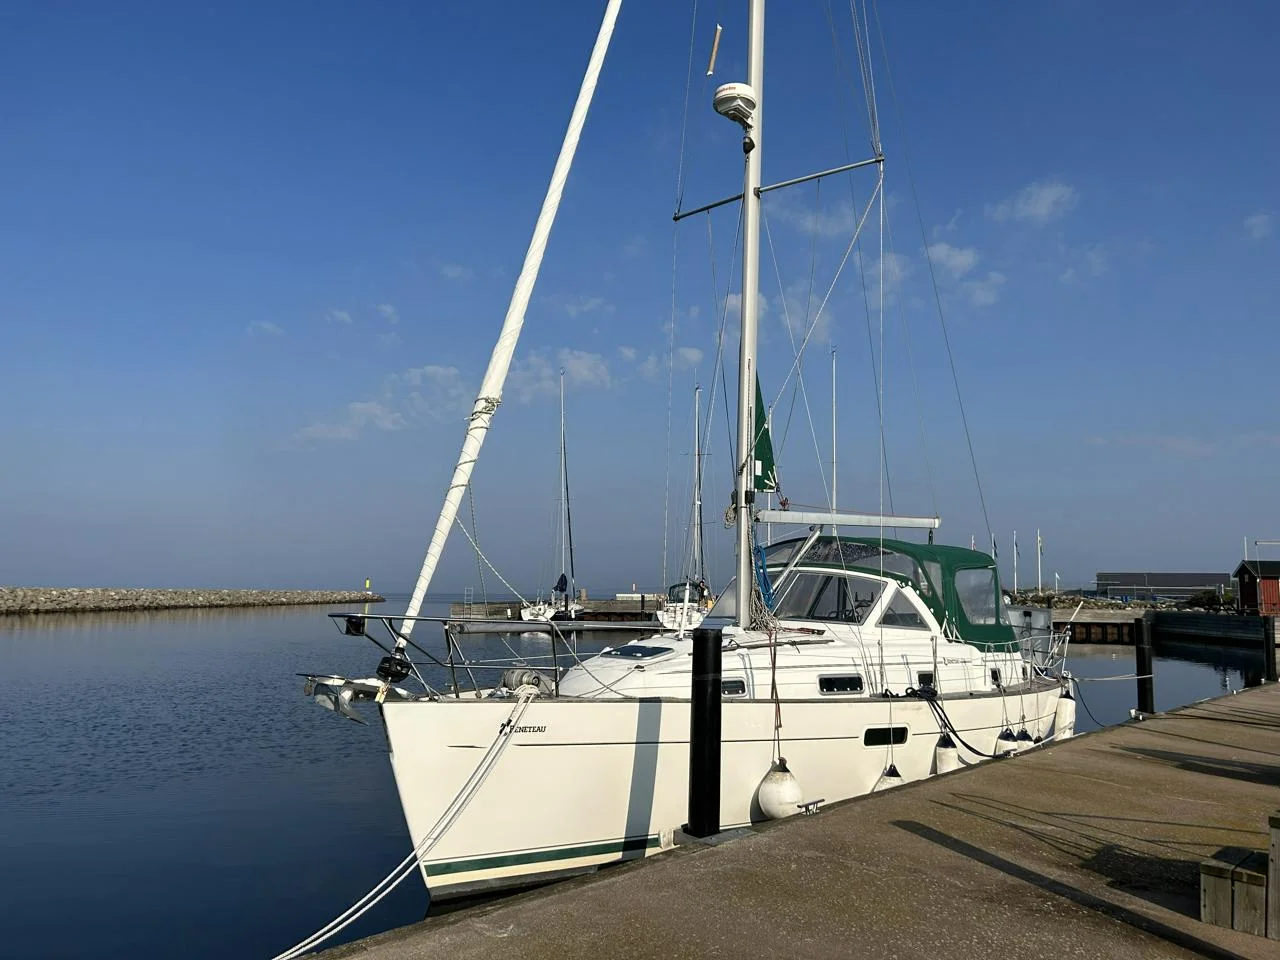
<point x="167" y="790"/>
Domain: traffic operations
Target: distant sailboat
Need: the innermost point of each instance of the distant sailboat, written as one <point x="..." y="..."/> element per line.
<point x="686" y="603"/>
<point x="562" y="604"/>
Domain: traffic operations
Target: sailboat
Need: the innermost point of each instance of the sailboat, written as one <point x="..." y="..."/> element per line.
<point x="562" y="604"/>
<point x="687" y="602"/>
<point x="850" y="663"/>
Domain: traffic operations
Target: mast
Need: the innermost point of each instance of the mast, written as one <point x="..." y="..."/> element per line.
<point x="834" y="508"/>
<point x="561" y="495"/>
<point x="568" y="508"/>
<point x="700" y="569"/>
<point x="1039" y="557"/>
<point x="495" y="376"/>
<point x="751" y="144"/>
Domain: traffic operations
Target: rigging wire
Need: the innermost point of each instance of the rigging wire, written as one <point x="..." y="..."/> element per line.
<point x="568" y="519"/>
<point x="862" y="275"/>
<point x="671" y="353"/>
<point x="862" y="40"/>
<point x="786" y="322"/>
<point x="915" y="391"/>
<point x="675" y="235"/>
<point x="471" y="499"/>
<point x="479" y="553"/>
<point x="822" y="306"/>
<point x="722" y="305"/>
<point x="933" y="278"/>
<point x="808" y="307"/>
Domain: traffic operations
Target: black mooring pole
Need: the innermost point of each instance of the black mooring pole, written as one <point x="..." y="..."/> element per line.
<point x="1269" y="649"/>
<point x="1142" y="663"/>
<point x="704" y="736"/>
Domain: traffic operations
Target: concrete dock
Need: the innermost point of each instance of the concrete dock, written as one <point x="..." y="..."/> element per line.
<point x="1088" y="848"/>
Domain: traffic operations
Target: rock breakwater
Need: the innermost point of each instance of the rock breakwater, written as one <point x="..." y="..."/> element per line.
<point x="24" y="600"/>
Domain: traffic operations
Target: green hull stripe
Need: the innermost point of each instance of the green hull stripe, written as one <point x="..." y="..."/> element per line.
<point x="629" y="845"/>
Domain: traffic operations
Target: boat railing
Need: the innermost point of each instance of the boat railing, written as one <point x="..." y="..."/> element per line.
<point x="466" y="674"/>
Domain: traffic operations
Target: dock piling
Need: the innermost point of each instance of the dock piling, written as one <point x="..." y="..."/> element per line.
<point x="704" y="735"/>
<point x="1142" y="657"/>
<point x="1269" y="649"/>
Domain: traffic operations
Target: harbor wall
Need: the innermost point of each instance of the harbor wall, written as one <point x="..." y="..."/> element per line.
<point x="29" y="600"/>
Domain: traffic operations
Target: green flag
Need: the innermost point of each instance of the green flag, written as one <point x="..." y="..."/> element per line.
<point x="766" y="473"/>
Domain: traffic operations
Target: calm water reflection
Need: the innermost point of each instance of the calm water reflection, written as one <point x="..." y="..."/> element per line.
<point x="166" y="790"/>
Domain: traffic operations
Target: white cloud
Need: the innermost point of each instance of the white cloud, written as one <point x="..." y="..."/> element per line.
<point x="440" y="393"/>
<point x="636" y="245"/>
<point x="839" y="221"/>
<point x="263" y="328"/>
<point x="584" y="369"/>
<point x="733" y="305"/>
<point x="688" y="357"/>
<point x="695" y="311"/>
<point x="1036" y="203"/>
<point x="956" y="260"/>
<point x="456" y="271"/>
<point x="950" y="225"/>
<point x="651" y="367"/>
<point x="417" y="395"/>
<point x="1087" y="261"/>
<point x="584" y="305"/>
<point x="627" y="353"/>
<point x="432" y="392"/>
<point x="391" y="339"/>
<point x="359" y="415"/>
<point x="1097" y="260"/>
<point x="389" y="312"/>
<point x="536" y="375"/>
<point x="984" y="292"/>
<point x="897" y="267"/>
<point x="1258" y="226"/>
<point x="1182" y="445"/>
<point x="338" y="316"/>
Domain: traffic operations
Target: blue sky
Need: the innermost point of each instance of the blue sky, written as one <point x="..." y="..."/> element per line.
<point x="253" y="258"/>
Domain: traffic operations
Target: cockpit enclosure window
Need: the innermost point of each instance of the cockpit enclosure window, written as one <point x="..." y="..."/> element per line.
<point x="934" y="569"/>
<point x="635" y="651"/>
<point x="827" y="596"/>
<point x="845" y="553"/>
<point x="780" y="554"/>
<point x="676" y="592"/>
<point x="976" y="589"/>
<point x="902" y="612"/>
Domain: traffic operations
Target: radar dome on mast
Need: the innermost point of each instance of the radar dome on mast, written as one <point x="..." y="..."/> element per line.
<point x="737" y="101"/>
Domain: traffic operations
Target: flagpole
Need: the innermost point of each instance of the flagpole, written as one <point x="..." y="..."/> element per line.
<point x="1039" y="555"/>
<point x="1015" y="561"/>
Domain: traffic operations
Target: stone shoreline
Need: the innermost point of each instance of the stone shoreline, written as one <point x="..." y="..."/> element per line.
<point x="27" y="600"/>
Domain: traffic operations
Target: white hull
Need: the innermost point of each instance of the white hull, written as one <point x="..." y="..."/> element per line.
<point x="543" y="612"/>
<point x="587" y="782"/>
<point x="681" y="616"/>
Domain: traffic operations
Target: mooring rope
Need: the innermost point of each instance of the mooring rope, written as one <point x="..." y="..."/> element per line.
<point x="429" y="840"/>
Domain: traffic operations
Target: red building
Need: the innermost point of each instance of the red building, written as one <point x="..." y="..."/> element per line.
<point x="1259" y="586"/>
